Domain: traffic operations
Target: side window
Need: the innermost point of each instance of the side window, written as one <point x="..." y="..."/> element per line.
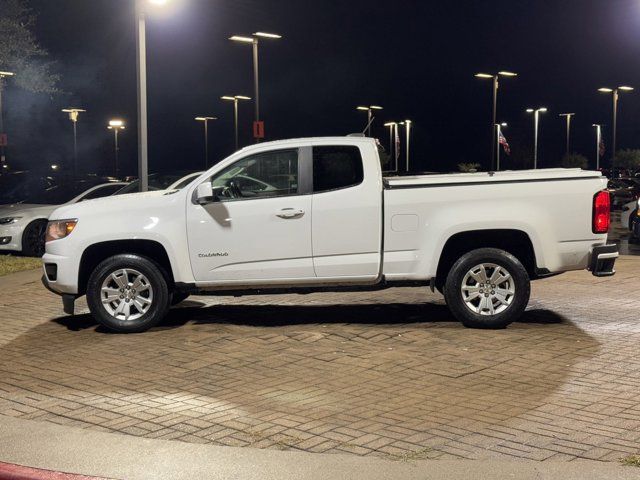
<point x="269" y="174"/>
<point x="336" y="167"/>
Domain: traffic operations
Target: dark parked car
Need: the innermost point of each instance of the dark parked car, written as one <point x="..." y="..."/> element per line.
<point x="622" y="190"/>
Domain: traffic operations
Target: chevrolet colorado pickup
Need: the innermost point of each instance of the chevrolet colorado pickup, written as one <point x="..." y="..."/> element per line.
<point x="317" y="215"/>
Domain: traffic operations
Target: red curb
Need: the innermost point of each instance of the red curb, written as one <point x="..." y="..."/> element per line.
<point x="9" y="471"/>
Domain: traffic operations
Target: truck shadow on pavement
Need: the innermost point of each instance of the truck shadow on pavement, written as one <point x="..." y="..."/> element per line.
<point x="275" y="315"/>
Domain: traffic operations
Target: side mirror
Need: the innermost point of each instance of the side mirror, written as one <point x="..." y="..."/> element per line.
<point x="204" y="194"/>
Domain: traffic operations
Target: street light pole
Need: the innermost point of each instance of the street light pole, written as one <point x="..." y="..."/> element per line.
<point x="536" y="122"/>
<point x="615" y="94"/>
<point x="205" y="120"/>
<point x="496" y="85"/>
<point x="407" y="127"/>
<point x="598" y="143"/>
<point x="568" y="117"/>
<point x="235" y="100"/>
<point x="393" y="146"/>
<point x="74" y="113"/>
<point x="116" y="126"/>
<point x="141" y="69"/>
<point x="3" y="75"/>
<point x="370" y="116"/>
<point x="256" y="76"/>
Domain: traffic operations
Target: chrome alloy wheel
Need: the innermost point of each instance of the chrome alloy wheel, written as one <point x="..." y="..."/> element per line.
<point x="126" y="294"/>
<point x="488" y="289"/>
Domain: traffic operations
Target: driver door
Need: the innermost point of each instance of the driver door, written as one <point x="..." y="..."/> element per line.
<point x="259" y="228"/>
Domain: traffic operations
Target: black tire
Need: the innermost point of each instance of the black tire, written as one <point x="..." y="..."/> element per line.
<point x="155" y="278"/>
<point x="178" y="297"/>
<point x="518" y="300"/>
<point x="33" y="238"/>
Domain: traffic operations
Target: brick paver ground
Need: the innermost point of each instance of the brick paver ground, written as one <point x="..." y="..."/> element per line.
<point x="387" y="373"/>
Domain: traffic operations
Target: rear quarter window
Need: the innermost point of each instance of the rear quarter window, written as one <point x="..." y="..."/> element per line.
<point x="336" y="167"/>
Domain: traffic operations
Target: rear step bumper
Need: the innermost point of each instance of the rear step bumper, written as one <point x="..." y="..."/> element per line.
<point x="603" y="259"/>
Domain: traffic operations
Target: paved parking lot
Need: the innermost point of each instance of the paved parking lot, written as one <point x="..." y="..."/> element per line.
<point x="388" y="373"/>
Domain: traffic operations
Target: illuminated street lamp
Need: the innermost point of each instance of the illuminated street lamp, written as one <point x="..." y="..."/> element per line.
<point x="3" y="137"/>
<point x="370" y="116"/>
<point x="496" y="84"/>
<point x="599" y="149"/>
<point x="407" y="129"/>
<point x="141" y="68"/>
<point x="499" y="127"/>
<point x="116" y="126"/>
<point x="568" y="117"/>
<point x="536" y="122"/>
<point x="393" y="146"/>
<point x="205" y="121"/>
<point x="235" y="100"/>
<point x="74" y="113"/>
<point x="255" y="40"/>
<point x="615" y="93"/>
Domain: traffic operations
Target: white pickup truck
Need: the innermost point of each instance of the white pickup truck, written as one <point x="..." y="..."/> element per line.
<point x="317" y="215"/>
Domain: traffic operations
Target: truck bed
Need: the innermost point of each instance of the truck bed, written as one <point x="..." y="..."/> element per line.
<point x="508" y="176"/>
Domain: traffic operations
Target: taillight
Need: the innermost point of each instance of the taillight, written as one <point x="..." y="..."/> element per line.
<point x="601" y="212"/>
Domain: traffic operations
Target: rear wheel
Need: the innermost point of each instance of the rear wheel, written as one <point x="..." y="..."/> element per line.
<point x="487" y="288"/>
<point x="33" y="238"/>
<point x="128" y="293"/>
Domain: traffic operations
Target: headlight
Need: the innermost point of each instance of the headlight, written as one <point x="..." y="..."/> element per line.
<point x="58" y="229"/>
<point x="9" y="220"/>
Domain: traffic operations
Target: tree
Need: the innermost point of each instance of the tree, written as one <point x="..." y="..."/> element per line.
<point x="468" y="167"/>
<point x="629" y="159"/>
<point x="574" y="160"/>
<point x="20" y="52"/>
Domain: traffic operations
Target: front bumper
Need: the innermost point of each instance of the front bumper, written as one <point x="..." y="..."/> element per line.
<point x="603" y="259"/>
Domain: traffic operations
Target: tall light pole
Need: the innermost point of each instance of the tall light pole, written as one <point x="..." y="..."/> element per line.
<point x="3" y="134"/>
<point x="141" y="69"/>
<point x="393" y="146"/>
<point x="205" y="121"/>
<point x="407" y="129"/>
<point x="370" y="116"/>
<point x="235" y="100"/>
<point x="74" y="113"/>
<point x="116" y="126"/>
<point x="598" y="143"/>
<point x="255" y="41"/>
<point x="615" y="94"/>
<point x="568" y="117"/>
<point x="496" y="85"/>
<point x="536" y="122"/>
<point x="499" y="127"/>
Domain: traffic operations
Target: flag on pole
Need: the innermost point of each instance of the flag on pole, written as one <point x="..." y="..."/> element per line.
<point x="601" y="147"/>
<point x="505" y="145"/>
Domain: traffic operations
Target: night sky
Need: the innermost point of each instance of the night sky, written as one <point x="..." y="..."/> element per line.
<point x="415" y="58"/>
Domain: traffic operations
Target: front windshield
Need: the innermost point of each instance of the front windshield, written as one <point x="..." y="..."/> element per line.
<point x="156" y="182"/>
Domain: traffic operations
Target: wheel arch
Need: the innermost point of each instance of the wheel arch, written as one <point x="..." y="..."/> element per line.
<point x="96" y="253"/>
<point x="516" y="242"/>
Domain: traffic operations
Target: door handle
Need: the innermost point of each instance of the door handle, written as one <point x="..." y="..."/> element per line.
<point x="290" y="213"/>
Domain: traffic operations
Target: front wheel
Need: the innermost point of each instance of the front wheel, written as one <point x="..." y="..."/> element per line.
<point x="487" y="288"/>
<point x="128" y="293"/>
